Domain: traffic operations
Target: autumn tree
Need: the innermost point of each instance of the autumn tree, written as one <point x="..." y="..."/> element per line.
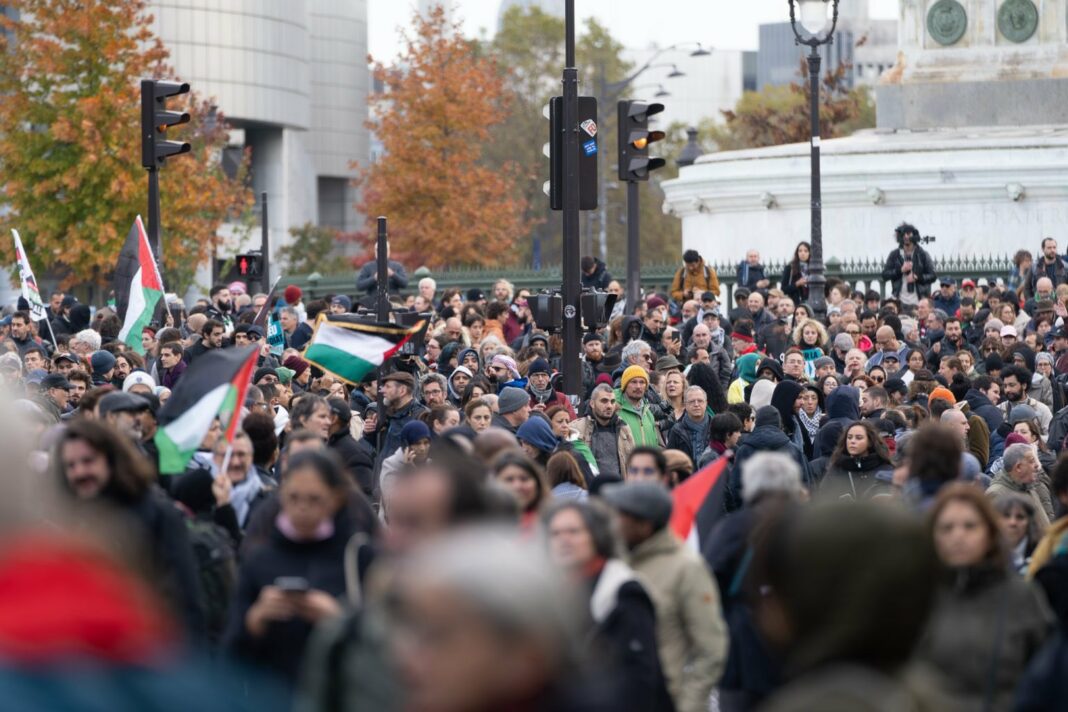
<point x="69" y="142"/>
<point x="780" y="114"/>
<point x="312" y="250"/>
<point x="445" y="206"/>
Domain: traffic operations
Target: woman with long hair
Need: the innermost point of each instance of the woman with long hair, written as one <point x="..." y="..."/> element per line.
<point x="915" y="360"/>
<point x="704" y="376"/>
<point x="860" y="467"/>
<point x="795" y="274"/>
<point x="525" y="479"/>
<point x="565" y="478"/>
<point x="988" y="623"/>
<point x="1021" y="528"/>
<point x="672" y="387"/>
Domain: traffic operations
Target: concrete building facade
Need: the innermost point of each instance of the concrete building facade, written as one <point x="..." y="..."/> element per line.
<point x="291" y="77"/>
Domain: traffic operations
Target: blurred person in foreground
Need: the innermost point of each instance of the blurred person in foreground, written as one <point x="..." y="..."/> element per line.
<point x="846" y="639"/>
<point x="83" y="626"/>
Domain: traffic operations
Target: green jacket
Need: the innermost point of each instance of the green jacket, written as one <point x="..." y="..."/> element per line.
<point x="641" y="422"/>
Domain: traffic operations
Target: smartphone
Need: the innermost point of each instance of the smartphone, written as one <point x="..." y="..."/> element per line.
<point x="292" y="584"/>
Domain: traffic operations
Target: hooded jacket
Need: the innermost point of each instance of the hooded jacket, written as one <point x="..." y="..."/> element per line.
<point x="747" y="368"/>
<point x="765" y="437"/>
<point x="599" y="278"/>
<point x="783" y="399"/>
<point x="703" y="279"/>
<point x="843" y="408"/>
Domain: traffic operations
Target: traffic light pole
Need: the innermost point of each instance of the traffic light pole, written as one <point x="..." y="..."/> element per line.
<point x="265" y="248"/>
<point x="153" y="217"/>
<point x="634" y="269"/>
<point x="571" y="288"/>
<point x="383" y="271"/>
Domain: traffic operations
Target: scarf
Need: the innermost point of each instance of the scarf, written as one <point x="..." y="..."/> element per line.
<point x="697" y="431"/>
<point x="242" y="494"/>
<point x="811" y="424"/>
<point x="324" y="531"/>
<point x="542" y="396"/>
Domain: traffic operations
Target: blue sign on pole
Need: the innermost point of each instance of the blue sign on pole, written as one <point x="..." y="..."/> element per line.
<point x="590" y="147"/>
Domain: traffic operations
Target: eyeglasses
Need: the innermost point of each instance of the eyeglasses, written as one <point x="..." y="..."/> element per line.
<point x="852" y="332"/>
<point x="878" y="379"/>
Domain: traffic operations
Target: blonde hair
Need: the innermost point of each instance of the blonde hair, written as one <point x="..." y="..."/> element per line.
<point x="815" y="325"/>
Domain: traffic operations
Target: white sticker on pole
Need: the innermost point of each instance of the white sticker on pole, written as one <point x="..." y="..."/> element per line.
<point x="816" y="141"/>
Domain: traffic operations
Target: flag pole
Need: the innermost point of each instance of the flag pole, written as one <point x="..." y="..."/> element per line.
<point x="226" y="459"/>
<point x="55" y="344"/>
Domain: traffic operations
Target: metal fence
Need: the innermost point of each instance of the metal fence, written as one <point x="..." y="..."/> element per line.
<point x="863" y="274"/>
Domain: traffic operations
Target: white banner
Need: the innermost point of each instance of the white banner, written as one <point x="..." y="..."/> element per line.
<point x="29" y="284"/>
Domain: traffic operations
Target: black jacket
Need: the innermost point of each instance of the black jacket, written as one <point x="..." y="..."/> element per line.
<point x="681" y="437"/>
<point x="986" y="410"/>
<point x="367" y="279"/>
<point x="764" y="438"/>
<point x="922" y="267"/>
<point x="843" y="408"/>
<point x="789" y="276"/>
<point x="355" y="459"/>
<point x="599" y="279"/>
<point x="281" y="648"/>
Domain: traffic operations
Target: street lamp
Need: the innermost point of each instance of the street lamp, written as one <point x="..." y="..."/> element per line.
<point x="817" y="29"/>
<point x="676" y="72"/>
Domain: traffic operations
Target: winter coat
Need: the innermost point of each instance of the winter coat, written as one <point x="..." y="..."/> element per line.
<point x="748" y="275"/>
<point x="843" y="408"/>
<point x="280" y="648"/>
<point x="355" y="459"/>
<point x="583" y="430"/>
<point x="765" y="438"/>
<point x="641" y="420"/>
<point x="624" y="628"/>
<point x="367" y="279"/>
<point x="703" y="279"/>
<point x="922" y="267"/>
<point x="1036" y="492"/>
<point x="985" y="622"/>
<point x="599" y="279"/>
<point x="681" y="437"/>
<point x="783" y="399"/>
<point x="387" y="436"/>
<point x="690" y="628"/>
<point x="986" y="410"/>
<point x="790" y="277"/>
<point x="857" y="478"/>
<point x="557" y="398"/>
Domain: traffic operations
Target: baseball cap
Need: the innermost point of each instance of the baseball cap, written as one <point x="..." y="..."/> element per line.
<point x="55" y="380"/>
<point x="967" y="283"/>
<point x="648" y="501"/>
<point x="947" y="281"/>
<point x="119" y="401"/>
<point x="1009" y="330"/>
<point x="708" y="297"/>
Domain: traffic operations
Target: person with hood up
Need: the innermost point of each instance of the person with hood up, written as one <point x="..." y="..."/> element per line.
<point x="458" y="380"/>
<point x="469" y="358"/>
<point x="595" y="274"/>
<point x="846" y="642"/>
<point x="767" y="436"/>
<point x="843" y="408"/>
<point x="787" y="400"/>
<point x="859" y="468"/>
<point x="747" y="365"/>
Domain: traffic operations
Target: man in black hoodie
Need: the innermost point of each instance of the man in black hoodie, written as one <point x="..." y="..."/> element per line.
<point x="767" y="436"/>
<point x="594" y="274"/>
<point x="786" y="398"/>
<point x="982" y="398"/>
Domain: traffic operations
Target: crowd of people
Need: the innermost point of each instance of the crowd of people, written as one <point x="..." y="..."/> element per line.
<point x="882" y="526"/>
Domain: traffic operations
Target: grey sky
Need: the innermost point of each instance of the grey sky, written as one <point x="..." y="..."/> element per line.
<point x="729" y="24"/>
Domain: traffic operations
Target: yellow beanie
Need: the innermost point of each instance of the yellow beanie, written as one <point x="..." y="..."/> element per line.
<point x="632" y="372"/>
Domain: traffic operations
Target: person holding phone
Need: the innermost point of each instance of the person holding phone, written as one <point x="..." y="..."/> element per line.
<point x="294" y="580"/>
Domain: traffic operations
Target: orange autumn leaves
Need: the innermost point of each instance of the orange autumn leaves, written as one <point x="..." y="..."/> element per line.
<point x="445" y="206"/>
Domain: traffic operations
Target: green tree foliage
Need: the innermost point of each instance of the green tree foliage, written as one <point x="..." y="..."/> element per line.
<point x="312" y="250"/>
<point x="69" y="152"/>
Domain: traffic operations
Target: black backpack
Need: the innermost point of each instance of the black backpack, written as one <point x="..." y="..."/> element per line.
<point x="216" y="559"/>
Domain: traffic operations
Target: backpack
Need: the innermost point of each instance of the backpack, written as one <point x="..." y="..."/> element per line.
<point x="216" y="559"/>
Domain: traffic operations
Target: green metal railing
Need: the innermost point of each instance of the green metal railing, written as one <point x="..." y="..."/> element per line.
<point x="861" y="273"/>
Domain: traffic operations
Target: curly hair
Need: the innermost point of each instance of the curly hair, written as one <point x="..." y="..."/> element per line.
<point x="799" y="329"/>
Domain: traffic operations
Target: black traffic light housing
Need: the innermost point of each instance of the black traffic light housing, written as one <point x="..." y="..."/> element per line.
<point x="588" y="147"/>
<point x="547" y="311"/>
<point x="597" y="308"/>
<point x="248" y="266"/>
<point x="634" y="139"/>
<point x="155" y="119"/>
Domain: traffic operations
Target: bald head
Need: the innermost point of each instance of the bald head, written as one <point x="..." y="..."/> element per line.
<point x="957" y="420"/>
<point x="886" y="339"/>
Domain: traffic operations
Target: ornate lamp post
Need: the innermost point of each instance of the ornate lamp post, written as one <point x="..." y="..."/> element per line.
<point x="817" y="29"/>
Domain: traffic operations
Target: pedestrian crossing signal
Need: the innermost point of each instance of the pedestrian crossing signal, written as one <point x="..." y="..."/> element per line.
<point x="248" y="266"/>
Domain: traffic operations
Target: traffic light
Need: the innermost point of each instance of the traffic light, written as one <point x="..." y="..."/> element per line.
<point x="634" y="139"/>
<point x="547" y="311"/>
<point x="597" y="308"/>
<point x="588" y="147"/>
<point x="248" y="266"/>
<point x="155" y="119"/>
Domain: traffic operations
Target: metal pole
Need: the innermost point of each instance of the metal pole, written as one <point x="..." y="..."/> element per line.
<point x="602" y="172"/>
<point x="571" y="288"/>
<point x="634" y="270"/>
<point x="383" y="270"/>
<point x="265" y="247"/>
<point x="816" y="280"/>
<point x="153" y="216"/>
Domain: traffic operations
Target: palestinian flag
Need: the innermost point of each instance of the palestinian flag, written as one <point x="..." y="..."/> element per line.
<point x="138" y="287"/>
<point x="213" y="385"/>
<point x="698" y="503"/>
<point x="350" y="349"/>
